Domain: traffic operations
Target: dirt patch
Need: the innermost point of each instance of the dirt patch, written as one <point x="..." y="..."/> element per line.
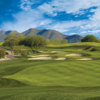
<point x="4" y="59"/>
<point x="7" y="58"/>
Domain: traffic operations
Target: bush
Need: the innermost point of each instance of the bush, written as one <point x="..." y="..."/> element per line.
<point x="2" y="53"/>
<point x="24" y="52"/>
<point x="90" y="38"/>
<point x="17" y="52"/>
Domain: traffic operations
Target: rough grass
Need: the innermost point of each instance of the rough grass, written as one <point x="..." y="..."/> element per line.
<point x="76" y="44"/>
<point x="79" y="48"/>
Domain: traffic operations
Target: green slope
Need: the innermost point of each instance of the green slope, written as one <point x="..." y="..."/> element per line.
<point x="60" y="73"/>
<point x="50" y="80"/>
<point x="53" y="73"/>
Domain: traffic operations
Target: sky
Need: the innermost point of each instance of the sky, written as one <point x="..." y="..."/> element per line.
<point x="66" y="16"/>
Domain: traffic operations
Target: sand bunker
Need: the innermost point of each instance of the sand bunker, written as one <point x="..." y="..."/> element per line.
<point x="74" y="54"/>
<point x="40" y="58"/>
<point x="60" y="59"/>
<point x="57" y="51"/>
<point x="85" y="59"/>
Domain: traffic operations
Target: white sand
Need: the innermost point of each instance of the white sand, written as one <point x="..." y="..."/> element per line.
<point x="85" y="59"/>
<point x="61" y="59"/>
<point x="57" y="51"/>
<point x="40" y="58"/>
<point x="74" y="54"/>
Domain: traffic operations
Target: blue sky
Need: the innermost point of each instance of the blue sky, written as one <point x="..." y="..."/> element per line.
<point x="67" y="16"/>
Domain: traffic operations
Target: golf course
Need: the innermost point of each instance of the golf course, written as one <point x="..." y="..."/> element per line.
<point x="49" y="49"/>
<point x="74" y="77"/>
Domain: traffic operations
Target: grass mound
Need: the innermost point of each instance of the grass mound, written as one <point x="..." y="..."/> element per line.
<point x="91" y="48"/>
<point x="10" y="83"/>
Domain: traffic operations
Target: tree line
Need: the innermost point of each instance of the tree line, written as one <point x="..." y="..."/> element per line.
<point x="35" y="42"/>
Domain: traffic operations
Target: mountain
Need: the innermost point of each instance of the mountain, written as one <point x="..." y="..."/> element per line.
<point x="53" y="35"/>
<point x="2" y="35"/>
<point x="74" y="38"/>
<point x="48" y="34"/>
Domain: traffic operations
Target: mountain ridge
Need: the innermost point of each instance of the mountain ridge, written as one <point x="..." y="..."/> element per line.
<point x="46" y="33"/>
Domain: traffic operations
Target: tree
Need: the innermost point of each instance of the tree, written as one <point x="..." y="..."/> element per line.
<point x="90" y="38"/>
<point x="34" y="42"/>
<point x="20" y="38"/>
<point x="11" y="35"/>
<point x="11" y="40"/>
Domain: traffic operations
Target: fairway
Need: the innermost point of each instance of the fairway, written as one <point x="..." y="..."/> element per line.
<point x="49" y="80"/>
<point x="59" y="73"/>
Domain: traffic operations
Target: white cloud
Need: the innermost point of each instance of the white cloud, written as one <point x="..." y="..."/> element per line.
<point x="69" y="6"/>
<point x="26" y="4"/>
<point x="25" y="20"/>
<point x="34" y="18"/>
<point x="65" y="26"/>
<point x="75" y="7"/>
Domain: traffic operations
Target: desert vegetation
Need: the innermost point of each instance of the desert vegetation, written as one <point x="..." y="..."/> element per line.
<point x="90" y="38"/>
<point x="2" y="53"/>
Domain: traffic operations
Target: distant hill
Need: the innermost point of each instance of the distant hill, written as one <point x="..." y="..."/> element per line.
<point x="74" y="38"/>
<point x="2" y="35"/>
<point x="48" y="34"/>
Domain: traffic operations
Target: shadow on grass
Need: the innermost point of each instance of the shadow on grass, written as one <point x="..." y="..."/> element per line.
<point x="94" y="98"/>
<point x="4" y="83"/>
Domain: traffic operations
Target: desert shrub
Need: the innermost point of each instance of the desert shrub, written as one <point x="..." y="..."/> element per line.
<point x="2" y="53"/>
<point x="24" y="52"/>
<point x="17" y="52"/>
